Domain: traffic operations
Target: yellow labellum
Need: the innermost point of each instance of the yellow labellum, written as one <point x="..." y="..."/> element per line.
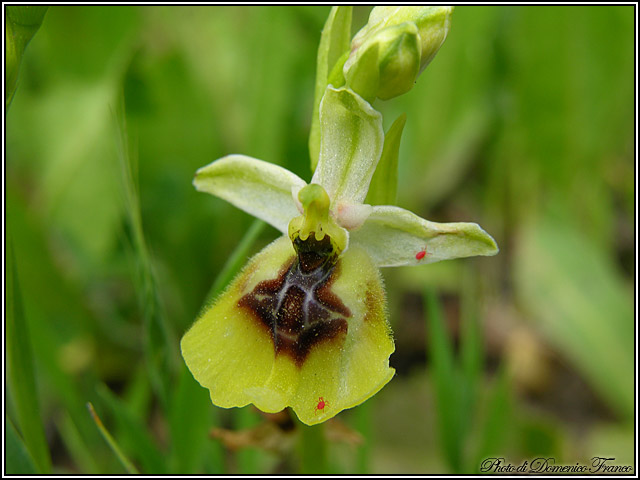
<point x="290" y="331"/>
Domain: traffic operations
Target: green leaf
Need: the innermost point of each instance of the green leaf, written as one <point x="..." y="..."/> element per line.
<point x="17" y="458"/>
<point x="495" y="424"/>
<point x="393" y="236"/>
<point x="471" y="348"/>
<point x="21" y="372"/>
<point x="384" y="184"/>
<point x="134" y="434"/>
<point x="334" y="42"/>
<point x="445" y="381"/>
<point x="190" y="421"/>
<point x="54" y="312"/>
<point x="577" y="299"/>
<point x="22" y="22"/>
<point x="31" y="16"/>
<point x="352" y="140"/>
<point x="260" y="188"/>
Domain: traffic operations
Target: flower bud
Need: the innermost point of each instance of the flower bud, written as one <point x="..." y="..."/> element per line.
<point x="388" y="53"/>
<point x="387" y="64"/>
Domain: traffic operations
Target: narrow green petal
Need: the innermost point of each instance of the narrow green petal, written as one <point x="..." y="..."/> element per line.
<point x="351" y="145"/>
<point x="259" y="188"/>
<point x="384" y="184"/>
<point x="394" y="237"/>
<point x="334" y="43"/>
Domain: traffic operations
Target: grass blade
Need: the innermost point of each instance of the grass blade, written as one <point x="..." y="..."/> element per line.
<point x="22" y="374"/>
<point x="445" y="379"/>
<point x="496" y="421"/>
<point x="190" y="421"/>
<point x="55" y="307"/>
<point x="129" y="467"/>
<point x="134" y="433"/>
<point x="159" y="348"/>
<point x="236" y="261"/>
<point x="471" y="352"/>
<point x="364" y="425"/>
<point x="78" y="450"/>
<point x="247" y="458"/>
<point x="17" y="458"/>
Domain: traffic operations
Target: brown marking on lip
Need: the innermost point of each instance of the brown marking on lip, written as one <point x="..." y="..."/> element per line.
<point x="330" y="300"/>
<point x="334" y="330"/>
<point x="291" y="311"/>
<point x="298" y="308"/>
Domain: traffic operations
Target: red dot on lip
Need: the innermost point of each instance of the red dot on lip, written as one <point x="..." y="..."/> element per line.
<point x="420" y="255"/>
<point x="321" y="404"/>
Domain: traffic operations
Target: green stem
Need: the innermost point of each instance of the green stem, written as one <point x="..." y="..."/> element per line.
<point x="364" y="418"/>
<point x="313" y="449"/>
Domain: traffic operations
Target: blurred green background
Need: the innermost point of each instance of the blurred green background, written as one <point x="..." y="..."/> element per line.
<point x="523" y="123"/>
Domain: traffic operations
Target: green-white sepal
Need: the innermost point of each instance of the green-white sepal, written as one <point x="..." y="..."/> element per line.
<point x="260" y="188"/>
<point x="334" y="43"/>
<point x="393" y="236"/>
<point x="350" y="148"/>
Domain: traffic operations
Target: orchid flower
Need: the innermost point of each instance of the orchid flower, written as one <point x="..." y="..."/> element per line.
<point x="305" y="323"/>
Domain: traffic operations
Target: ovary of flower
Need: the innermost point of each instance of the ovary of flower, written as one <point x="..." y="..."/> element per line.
<point x="306" y="318"/>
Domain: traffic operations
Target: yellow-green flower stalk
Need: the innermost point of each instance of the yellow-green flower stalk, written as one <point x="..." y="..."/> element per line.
<point x="305" y="323"/>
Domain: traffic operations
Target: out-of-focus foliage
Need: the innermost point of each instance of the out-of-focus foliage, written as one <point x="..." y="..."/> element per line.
<point x="523" y="122"/>
<point x="22" y="22"/>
